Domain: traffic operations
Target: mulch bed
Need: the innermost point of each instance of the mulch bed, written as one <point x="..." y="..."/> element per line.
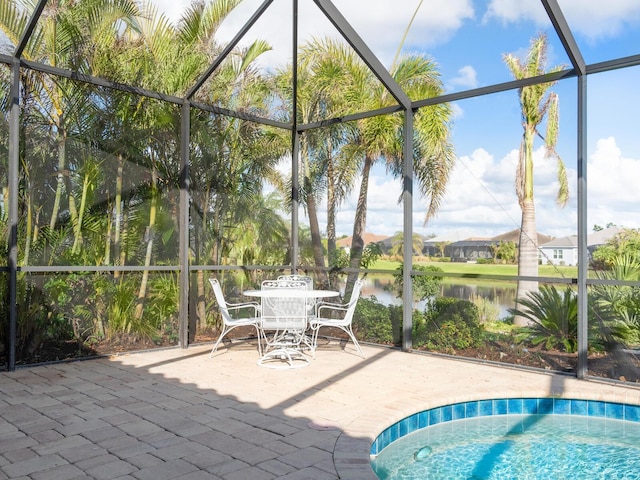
<point x="616" y="366"/>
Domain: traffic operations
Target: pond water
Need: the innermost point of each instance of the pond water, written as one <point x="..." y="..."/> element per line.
<point x="501" y="295"/>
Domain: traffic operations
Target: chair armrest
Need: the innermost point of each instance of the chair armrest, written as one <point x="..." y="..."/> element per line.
<point x="338" y="307"/>
<point x="240" y="306"/>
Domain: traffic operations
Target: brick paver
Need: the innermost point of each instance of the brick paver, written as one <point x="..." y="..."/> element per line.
<point x="177" y="414"/>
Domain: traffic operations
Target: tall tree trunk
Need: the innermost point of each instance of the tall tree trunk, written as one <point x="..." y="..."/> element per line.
<point x="528" y="246"/>
<point x="359" y="226"/>
<point x="77" y="242"/>
<point x="331" y="221"/>
<point x="316" y="239"/>
<point x="527" y="255"/>
<point x="153" y="210"/>
<point x="118" y="251"/>
<point x="62" y="146"/>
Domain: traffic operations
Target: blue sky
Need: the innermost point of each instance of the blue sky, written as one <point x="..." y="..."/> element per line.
<point x="467" y="39"/>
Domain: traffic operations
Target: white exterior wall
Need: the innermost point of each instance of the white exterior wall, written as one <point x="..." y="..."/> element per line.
<point x="559" y="255"/>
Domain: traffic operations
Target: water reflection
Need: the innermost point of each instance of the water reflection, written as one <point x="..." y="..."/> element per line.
<point x="499" y="294"/>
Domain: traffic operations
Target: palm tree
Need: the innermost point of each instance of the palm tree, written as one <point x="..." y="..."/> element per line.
<point x="380" y="138"/>
<point x="397" y="244"/>
<point x="537" y="103"/>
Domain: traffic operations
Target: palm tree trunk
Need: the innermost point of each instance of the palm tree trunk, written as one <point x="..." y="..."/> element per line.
<point x="359" y="226"/>
<point x="331" y="221"/>
<point x="316" y="239"/>
<point x="153" y="210"/>
<point x="117" y="215"/>
<point x="527" y="255"/>
<point x="62" y="145"/>
<point x="528" y="246"/>
<point x="77" y="242"/>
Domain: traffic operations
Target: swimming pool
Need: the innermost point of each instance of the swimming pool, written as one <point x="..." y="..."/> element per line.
<point x="520" y="438"/>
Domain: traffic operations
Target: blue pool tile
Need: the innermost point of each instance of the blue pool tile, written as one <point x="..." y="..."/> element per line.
<point x="459" y="411"/>
<point x="472" y="409"/>
<point x="561" y="406"/>
<point x="404" y="427"/>
<point x="435" y="416"/>
<point x="596" y="409"/>
<point x="526" y="406"/>
<point x="447" y="413"/>
<point x="614" y="411"/>
<point x="514" y="406"/>
<point x="500" y="407"/>
<point x="579" y="407"/>
<point x="632" y="413"/>
<point x="545" y="406"/>
<point x="485" y="408"/>
<point x="530" y="406"/>
<point x="423" y="419"/>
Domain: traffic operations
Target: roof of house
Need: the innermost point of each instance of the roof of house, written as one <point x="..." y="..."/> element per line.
<point x="570" y="241"/>
<point x="601" y="237"/>
<point x="367" y="237"/>
<point x="597" y="238"/>
<point x="473" y="242"/>
<point x="514" y="236"/>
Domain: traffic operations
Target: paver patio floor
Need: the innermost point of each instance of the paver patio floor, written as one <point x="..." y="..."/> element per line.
<point x="178" y="414"/>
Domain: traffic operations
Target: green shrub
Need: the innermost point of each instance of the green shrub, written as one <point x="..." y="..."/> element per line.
<point x="372" y="322"/>
<point x="447" y="324"/>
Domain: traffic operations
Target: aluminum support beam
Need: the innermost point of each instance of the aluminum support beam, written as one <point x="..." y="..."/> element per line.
<point x="564" y="32"/>
<point x="362" y="49"/>
<point x="227" y="50"/>
<point x="26" y="35"/>
<point x="407" y="201"/>
<point x="583" y="255"/>
<point x="183" y="241"/>
<point x="14" y="163"/>
<point x="295" y="145"/>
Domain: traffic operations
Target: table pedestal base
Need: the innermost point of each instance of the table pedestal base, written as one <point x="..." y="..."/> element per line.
<point x="284" y="358"/>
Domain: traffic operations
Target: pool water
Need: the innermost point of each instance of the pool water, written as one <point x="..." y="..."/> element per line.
<point x="516" y="447"/>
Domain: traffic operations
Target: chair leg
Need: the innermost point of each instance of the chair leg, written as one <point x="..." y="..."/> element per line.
<point x="353" y="339"/>
<point x="222" y="334"/>
<point x="314" y="341"/>
<point x="259" y="335"/>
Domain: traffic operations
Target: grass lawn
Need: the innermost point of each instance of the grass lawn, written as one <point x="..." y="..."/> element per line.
<point x="485" y="269"/>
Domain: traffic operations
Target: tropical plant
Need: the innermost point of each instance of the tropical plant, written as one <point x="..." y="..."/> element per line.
<point x="380" y="137"/>
<point x="537" y="102"/>
<point x="616" y="308"/>
<point x="504" y="251"/>
<point x="552" y="318"/>
<point x="423" y="286"/>
<point x="397" y="244"/>
<point x="626" y="243"/>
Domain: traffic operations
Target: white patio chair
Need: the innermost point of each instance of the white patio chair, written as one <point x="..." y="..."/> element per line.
<point x="311" y="302"/>
<point x="286" y="319"/>
<point x="299" y="278"/>
<point x="344" y="310"/>
<point x="229" y="322"/>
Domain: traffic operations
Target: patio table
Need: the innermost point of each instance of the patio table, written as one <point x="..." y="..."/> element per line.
<point x="285" y="313"/>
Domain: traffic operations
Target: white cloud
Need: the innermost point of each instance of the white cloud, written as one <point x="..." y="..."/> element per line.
<point x="590" y="18"/>
<point x="380" y="23"/>
<point x="467" y="77"/>
<point x="481" y="196"/>
<point x="509" y="11"/>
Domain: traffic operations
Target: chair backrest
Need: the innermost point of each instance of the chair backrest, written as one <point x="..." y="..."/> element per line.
<point x="217" y="291"/>
<point x="283" y="312"/>
<point x="299" y="278"/>
<point x="353" y="301"/>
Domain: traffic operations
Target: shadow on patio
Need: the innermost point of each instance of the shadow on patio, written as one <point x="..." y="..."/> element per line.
<point x="179" y="414"/>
